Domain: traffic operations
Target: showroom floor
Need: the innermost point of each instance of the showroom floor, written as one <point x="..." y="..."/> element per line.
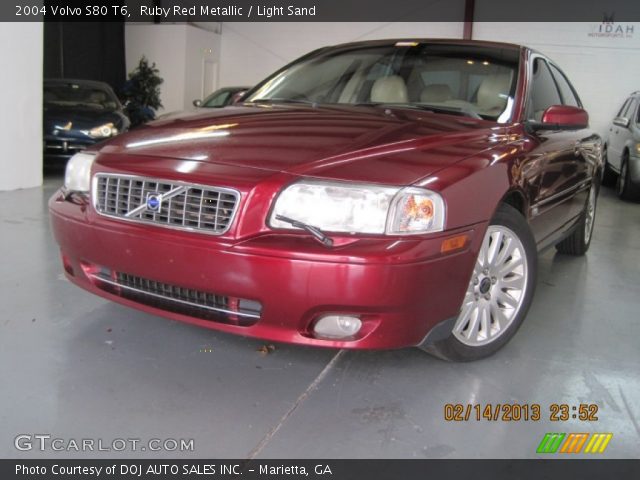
<point x="75" y="366"/>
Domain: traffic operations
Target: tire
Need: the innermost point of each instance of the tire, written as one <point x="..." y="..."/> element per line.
<point x="608" y="178"/>
<point x="626" y="189"/>
<point x="579" y="241"/>
<point x="499" y="294"/>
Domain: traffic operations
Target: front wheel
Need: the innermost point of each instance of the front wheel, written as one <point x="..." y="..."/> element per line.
<point x="627" y="190"/>
<point x="499" y="292"/>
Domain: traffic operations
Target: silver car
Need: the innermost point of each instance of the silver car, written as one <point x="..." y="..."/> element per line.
<point x="622" y="154"/>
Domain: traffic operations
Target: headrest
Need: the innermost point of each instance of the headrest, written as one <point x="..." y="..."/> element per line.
<point x="493" y="92"/>
<point x="390" y="89"/>
<point x="436" y="93"/>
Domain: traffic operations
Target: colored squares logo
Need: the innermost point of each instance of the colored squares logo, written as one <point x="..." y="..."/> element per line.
<point x="598" y="443"/>
<point x="574" y="443"/>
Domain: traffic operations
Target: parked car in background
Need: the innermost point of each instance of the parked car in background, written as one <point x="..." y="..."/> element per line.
<point x="221" y="97"/>
<point x="76" y="115"/>
<point x="218" y="99"/>
<point x="379" y="194"/>
<point x="622" y="159"/>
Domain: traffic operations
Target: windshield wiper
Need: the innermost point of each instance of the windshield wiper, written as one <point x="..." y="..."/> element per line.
<point x="421" y="106"/>
<point x="282" y="100"/>
<point x="449" y="109"/>
<point x="315" y="231"/>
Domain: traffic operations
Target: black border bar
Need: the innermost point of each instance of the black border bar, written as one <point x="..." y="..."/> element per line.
<point x="185" y="11"/>
<point x="584" y="469"/>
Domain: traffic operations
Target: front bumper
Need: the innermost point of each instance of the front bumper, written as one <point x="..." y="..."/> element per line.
<point x="399" y="287"/>
<point x="59" y="149"/>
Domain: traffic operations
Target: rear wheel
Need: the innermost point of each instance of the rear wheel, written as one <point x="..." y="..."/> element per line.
<point x="579" y="241"/>
<point x="627" y="190"/>
<point x="499" y="292"/>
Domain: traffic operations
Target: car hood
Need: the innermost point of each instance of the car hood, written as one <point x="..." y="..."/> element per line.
<point x="369" y="144"/>
<point x="78" y="118"/>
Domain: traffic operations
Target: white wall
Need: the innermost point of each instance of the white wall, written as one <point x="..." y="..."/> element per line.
<point x="604" y="70"/>
<point x="201" y="46"/>
<point x="21" y="100"/>
<point x="251" y="51"/>
<point x="179" y="52"/>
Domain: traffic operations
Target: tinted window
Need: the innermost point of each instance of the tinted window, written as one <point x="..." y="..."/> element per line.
<point x="78" y="95"/>
<point x="568" y="96"/>
<point x="218" y="99"/>
<point x="630" y="107"/>
<point x="623" y="108"/>
<point x="543" y="90"/>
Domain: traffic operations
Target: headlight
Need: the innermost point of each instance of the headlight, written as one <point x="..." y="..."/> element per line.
<point x="103" y="131"/>
<point x="337" y="207"/>
<point x="77" y="177"/>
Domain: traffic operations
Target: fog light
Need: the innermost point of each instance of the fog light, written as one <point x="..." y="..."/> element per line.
<point x="337" y="326"/>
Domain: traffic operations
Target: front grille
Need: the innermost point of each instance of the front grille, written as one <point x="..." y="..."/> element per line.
<point x="165" y="203"/>
<point x="186" y="301"/>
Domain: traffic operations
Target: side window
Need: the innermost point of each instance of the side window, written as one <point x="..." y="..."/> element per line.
<point x="628" y="111"/>
<point x="568" y="95"/>
<point x="623" y="108"/>
<point x="544" y="92"/>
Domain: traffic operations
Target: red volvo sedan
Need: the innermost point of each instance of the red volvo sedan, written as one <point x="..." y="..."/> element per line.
<point x="379" y="194"/>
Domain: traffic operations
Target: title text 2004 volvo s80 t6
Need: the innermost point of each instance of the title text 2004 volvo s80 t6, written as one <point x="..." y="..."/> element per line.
<point x="380" y="194"/>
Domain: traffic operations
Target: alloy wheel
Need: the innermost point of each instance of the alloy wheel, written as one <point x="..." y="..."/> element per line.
<point x="496" y="290"/>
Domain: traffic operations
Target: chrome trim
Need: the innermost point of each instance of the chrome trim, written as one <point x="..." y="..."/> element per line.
<point x="577" y="188"/>
<point x="170" y="299"/>
<point x="186" y="185"/>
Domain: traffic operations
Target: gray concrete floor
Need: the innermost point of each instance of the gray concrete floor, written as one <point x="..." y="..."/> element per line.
<point x="75" y="366"/>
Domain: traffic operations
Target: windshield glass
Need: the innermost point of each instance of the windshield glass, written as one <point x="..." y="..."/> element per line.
<point x="217" y="99"/>
<point x="469" y="80"/>
<point x="77" y="95"/>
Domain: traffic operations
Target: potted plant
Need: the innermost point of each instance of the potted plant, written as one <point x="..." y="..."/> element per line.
<point x="141" y="93"/>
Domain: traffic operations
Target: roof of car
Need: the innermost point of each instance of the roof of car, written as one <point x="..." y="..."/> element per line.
<point x="66" y="81"/>
<point x="441" y="41"/>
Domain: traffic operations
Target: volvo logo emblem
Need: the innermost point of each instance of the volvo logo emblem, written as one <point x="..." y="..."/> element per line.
<point x="154" y="202"/>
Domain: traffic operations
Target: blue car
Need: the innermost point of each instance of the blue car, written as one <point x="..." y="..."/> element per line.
<point x="78" y="114"/>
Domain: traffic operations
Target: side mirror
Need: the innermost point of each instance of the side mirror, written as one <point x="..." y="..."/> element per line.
<point x="561" y="117"/>
<point x="621" y="122"/>
<point x="197" y="103"/>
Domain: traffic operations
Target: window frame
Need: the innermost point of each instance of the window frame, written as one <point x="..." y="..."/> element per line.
<point x="529" y="102"/>
<point x="576" y="97"/>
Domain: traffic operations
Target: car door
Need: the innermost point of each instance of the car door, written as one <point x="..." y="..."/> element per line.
<point x="564" y="174"/>
<point x="584" y="144"/>
<point x="619" y="133"/>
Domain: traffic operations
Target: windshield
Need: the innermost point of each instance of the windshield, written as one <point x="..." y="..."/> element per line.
<point x="77" y="95"/>
<point x="219" y="98"/>
<point x="468" y="80"/>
